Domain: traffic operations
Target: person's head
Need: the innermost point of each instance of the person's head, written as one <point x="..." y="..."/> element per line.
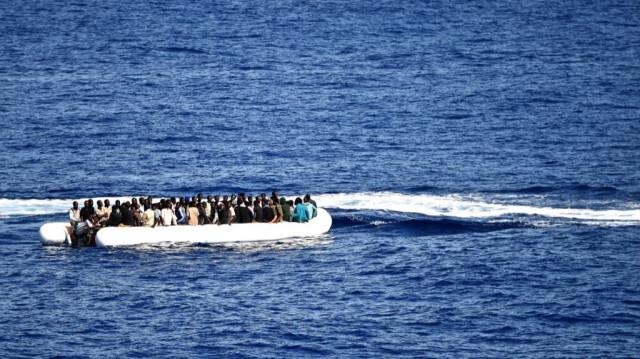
<point x="134" y="201"/>
<point x="173" y="200"/>
<point x="150" y="199"/>
<point x="209" y="198"/>
<point x="86" y="203"/>
<point x="183" y="201"/>
<point x="290" y="203"/>
<point x="250" y="199"/>
<point x="233" y="197"/>
<point x="307" y="198"/>
<point x="117" y="202"/>
<point x="298" y="201"/>
<point x="225" y="198"/>
<point x="75" y="204"/>
<point x="90" y="203"/>
<point x="283" y="201"/>
<point x="199" y="196"/>
<point x="99" y="204"/>
<point x="216" y="198"/>
<point x="154" y="206"/>
<point x="141" y="201"/>
<point x="146" y="206"/>
<point x="257" y="202"/>
<point x="107" y="203"/>
<point x="192" y="203"/>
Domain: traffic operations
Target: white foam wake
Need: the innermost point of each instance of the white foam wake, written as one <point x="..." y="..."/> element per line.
<point x="34" y="207"/>
<point x="454" y="206"/>
<point x="460" y="207"/>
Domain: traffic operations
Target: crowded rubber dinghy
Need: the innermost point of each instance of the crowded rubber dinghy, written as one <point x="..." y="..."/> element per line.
<point x="191" y="219"/>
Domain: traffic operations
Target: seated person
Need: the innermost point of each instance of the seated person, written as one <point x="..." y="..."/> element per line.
<point x="313" y="211"/>
<point x="148" y="217"/>
<point x="115" y="218"/>
<point x="244" y="215"/>
<point x="268" y="213"/>
<point x="181" y="214"/>
<point x="74" y="214"/>
<point x="83" y="230"/>
<point x="301" y="213"/>
<point x="167" y="217"/>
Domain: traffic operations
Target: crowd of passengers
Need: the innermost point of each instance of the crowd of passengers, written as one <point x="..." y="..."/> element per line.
<point x="193" y="211"/>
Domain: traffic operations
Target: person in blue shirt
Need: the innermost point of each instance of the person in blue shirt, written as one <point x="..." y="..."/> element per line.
<point x="301" y="213"/>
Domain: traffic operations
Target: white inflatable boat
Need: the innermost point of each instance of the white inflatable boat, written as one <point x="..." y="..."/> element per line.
<point x="59" y="233"/>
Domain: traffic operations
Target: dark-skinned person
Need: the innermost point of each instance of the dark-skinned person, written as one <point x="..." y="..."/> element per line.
<point x="74" y="214"/>
<point x="286" y="211"/>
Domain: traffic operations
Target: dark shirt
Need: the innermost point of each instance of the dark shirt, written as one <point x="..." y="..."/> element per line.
<point x="223" y="215"/>
<point x="257" y="209"/>
<point x="87" y="212"/>
<point x="114" y="219"/>
<point x="202" y="218"/>
<point x="127" y="217"/>
<point x="286" y="211"/>
<point x="267" y="213"/>
<point x="244" y="215"/>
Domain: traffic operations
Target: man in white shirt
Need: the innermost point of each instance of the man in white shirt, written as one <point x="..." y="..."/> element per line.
<point x="74" y="214"/>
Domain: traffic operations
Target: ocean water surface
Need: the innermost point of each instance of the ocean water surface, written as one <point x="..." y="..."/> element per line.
<point x="480" y="160"/>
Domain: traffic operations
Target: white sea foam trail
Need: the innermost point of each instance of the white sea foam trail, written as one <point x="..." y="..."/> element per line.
<point x="457" y="206"/>
<point x="34" y="207"/>
<point x="453" y="206"/>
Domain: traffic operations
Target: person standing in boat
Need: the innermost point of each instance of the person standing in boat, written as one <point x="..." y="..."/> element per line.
<point x="74" y="214"/>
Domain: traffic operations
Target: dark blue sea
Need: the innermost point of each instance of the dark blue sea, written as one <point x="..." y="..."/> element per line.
<point x="480" y="160"/>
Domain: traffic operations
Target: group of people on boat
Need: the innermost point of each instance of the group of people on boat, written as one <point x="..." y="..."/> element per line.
<point x="188" y="211"/>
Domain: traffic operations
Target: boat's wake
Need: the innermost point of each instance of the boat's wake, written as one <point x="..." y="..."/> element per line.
<point x="387" y="207"/>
